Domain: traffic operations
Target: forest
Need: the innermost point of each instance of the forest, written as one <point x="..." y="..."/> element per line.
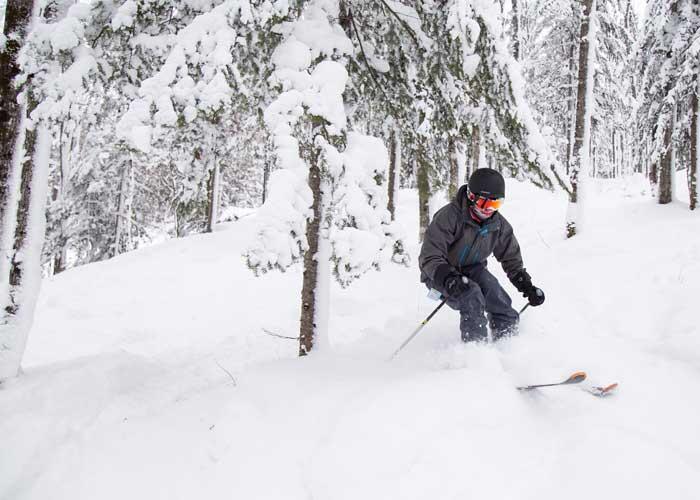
<point x="128" y="123"/>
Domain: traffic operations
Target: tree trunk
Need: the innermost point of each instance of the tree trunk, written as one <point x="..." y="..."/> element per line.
<point x="18" y="16"/>
<point x="654" y="176"/>
<point x="581" y="151"/>
<point x="693" y="167"/>
<point x="122" y="229"/>
<point x="423" y="181"/>
<point x="666" y="166"/>
<point x="25" y="267"/>
<point x="394" y="159"/>
<point x="213" y="197"/>
<point x="571" y="107"/>
<point x="454" y="169"/>
<point x="666" y="163"/>
<point x="266" y="179"/>
<point x="516" y="30"/>
<point x="614" y="156"/>
<point x="310" y="279"/>
<point x="475" y="154"/>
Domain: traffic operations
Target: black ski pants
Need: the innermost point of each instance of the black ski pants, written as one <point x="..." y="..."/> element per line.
<point x="484" y="301"/>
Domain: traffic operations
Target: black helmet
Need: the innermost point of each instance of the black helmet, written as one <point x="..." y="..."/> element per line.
<point x="487" y="182"/>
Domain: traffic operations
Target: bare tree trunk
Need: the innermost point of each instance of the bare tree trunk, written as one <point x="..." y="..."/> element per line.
<point x="475" y="151"/>
<point x="454" y="169"/>
<point x="18" y="16"/>
<point x="310" y="279"/>
<point x="266" y="179"/>
<point x="666" y="164"/>
<point x="122" y="229"/>
<point x="423" y="181"/>
<point x="394" y="155"/>
<point x="516" y="30"/>
<point x="571" y="107"/>
<point x="582" y="127"/>
<point x="693" y="167"/>
<point x="614" y="155"/>
<point x="213" y="196"/>
<point x="654" y="176"/>
<point x="25" y="269"/>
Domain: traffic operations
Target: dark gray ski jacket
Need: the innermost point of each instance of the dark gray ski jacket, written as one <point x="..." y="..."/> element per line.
<point x="454" y="238"/>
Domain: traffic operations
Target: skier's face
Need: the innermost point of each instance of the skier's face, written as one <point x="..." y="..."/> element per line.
<point x="484" y="206"/>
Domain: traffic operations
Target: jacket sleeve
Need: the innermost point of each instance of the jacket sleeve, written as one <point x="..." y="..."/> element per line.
<point x="442" y="232"/>
<point x="507" y="250"/>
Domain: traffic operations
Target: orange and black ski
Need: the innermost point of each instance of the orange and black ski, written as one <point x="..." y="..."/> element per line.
<point x="576" y="378"/>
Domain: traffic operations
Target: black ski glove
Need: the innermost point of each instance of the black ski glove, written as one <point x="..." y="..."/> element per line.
<point x="456" y="285"/>
<point x="522" y="281"/>
<point x="535" y="296"/>
<point x="450" y="281"/>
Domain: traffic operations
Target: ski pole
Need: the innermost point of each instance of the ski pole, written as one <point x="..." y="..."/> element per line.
<point x="420" y="327"/>
<point x="524" y="307"/>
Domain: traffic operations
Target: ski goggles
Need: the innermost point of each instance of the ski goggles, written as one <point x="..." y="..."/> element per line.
<point x="486" y="203"/>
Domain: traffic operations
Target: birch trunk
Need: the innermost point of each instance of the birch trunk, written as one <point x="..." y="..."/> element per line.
<point x="581" y="151"/>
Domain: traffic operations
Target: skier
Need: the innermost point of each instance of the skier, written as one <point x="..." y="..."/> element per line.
<point x="453" y="258"/>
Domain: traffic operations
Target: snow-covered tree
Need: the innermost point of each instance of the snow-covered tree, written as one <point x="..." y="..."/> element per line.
<point x="327" y="205"/>
<point x="49" y="63"/>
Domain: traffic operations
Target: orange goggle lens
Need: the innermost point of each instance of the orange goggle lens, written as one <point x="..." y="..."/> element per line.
<point x="486" y="203"/>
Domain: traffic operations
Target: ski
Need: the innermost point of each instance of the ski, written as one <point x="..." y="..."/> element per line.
<point x="575" y="378"/>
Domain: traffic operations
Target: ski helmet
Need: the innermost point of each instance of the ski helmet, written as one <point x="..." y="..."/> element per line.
<point x="487" y="182"/>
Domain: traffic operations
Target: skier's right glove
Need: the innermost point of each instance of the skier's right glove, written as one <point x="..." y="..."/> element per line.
<point x="453" y="284"/>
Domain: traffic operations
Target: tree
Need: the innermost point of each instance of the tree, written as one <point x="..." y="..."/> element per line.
<point x="659" y="63"/>
<point x="327" y="204"/>
<point x="581" y="150"/>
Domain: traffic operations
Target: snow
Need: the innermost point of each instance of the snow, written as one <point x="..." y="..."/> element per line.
<point x="125" y="393"/>
<point x="124" y="17"/>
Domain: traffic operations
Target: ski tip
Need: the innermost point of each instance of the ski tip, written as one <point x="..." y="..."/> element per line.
<point x="575" y="378"/>
<point x="608" y="388"/>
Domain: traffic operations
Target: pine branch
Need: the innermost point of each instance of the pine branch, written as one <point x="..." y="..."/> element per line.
<point x="403" y="23"/>
<point x="561" y="181"/>
<point x="371" y="70"/>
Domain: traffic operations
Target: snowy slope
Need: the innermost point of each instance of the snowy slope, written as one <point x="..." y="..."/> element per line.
<point x="127" y="391"/>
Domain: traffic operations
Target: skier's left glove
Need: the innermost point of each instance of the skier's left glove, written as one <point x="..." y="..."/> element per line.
<point x="523" y="282"/>
<point x="534" y="296"/>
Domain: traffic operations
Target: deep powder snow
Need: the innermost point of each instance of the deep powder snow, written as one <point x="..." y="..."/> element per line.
<point x="149" y="376"/>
